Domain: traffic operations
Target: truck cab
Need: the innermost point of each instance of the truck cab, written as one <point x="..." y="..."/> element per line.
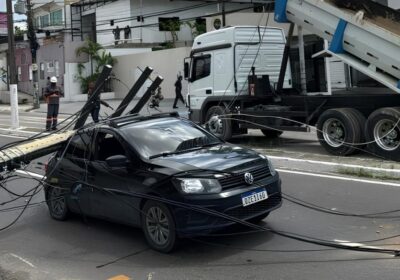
<point x="221" y="61"/>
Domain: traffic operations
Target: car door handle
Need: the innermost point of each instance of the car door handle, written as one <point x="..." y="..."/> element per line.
<point x="208" y="91"/>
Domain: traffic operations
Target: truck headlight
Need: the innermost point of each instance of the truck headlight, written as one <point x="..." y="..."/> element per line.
<point x="198" y="186"/>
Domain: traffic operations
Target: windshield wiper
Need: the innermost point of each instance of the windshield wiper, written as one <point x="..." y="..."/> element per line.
<point x="165" y="154"/>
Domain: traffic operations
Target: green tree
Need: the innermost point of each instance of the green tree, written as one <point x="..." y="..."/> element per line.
<point x="197" y="27"/>
<point x="90" y="48"/>
<point x="97" y="61"/>
<point x="19" y="32"/>
<point x="172" y="26"/>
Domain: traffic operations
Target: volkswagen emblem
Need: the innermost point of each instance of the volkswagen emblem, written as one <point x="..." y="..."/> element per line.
<point x="248" y="178"/>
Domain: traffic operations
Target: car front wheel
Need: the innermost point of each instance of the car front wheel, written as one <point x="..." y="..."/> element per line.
<point x="57" y="203"/>
<point x="159" y="226"/>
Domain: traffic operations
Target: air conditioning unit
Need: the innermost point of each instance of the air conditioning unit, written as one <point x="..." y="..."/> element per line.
<point x="20" y="7"/>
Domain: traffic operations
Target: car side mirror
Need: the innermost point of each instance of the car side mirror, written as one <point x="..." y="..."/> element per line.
<point x="117" y="161"/>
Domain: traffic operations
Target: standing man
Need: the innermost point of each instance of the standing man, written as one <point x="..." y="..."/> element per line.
<point x="178" y="92"/>
<point x="53" y="94"/>
<point x="97" y="102"/>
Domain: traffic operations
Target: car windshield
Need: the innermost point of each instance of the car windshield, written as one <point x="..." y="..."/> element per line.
<point x="166" y="136"/>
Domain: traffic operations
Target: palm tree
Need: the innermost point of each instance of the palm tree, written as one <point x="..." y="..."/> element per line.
<point x="104" y="58"/>
<point x="90" y="48"/>
<point x="100" y="58"/>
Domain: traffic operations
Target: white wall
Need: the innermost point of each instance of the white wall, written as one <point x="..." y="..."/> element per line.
<point x="166" y="63"/>
<point x="125" y="12"/>
<point x="115" y="10"/>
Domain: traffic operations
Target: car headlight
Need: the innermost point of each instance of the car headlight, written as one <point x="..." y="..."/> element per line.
<point x="270" y="165"/>
<point x="198" y="186"/>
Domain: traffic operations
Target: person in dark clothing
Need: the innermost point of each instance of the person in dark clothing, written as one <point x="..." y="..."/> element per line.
<point x="178" y="92"/>
<point x="52" y="94"/>
<point x="97" y="102"/>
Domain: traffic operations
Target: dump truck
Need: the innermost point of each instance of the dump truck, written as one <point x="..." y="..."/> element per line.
<point x="239" y="78"/>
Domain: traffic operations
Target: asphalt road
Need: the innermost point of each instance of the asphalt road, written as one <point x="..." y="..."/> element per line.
<point x="37" y="247"/>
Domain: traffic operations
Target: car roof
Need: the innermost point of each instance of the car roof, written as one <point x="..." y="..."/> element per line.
<point x="135" y="118"/>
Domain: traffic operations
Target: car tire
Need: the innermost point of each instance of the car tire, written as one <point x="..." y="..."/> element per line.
<point x="158" y="226"/>
<point x="271" y="133"/>
<point x="337" y="130"/>
<point x="258" y="219"/>
<point x="381" y="142"/>
<point x="221" y="127"/>
<point x="57" y="203"/>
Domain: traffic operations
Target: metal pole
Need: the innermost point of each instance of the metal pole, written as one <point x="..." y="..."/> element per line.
<point x="223" y="14"/>
<point x="302" y="59"/>
<point x="328" y="70"/>
<point x="12" y="70"/>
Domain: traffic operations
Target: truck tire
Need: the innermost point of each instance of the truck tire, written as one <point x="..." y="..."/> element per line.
<point x="219" y="126"/>
<point x="383" y="133"/>
<point x="361" y="124"/>
<point x="337" y="130"/>
<point x="271" y="133"/>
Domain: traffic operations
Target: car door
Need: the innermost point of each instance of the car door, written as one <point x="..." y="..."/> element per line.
<point x="71" y="171"/>
<point x="110" y="199"/>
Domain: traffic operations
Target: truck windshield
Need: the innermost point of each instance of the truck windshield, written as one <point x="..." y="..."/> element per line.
<point x="167" y="136"/>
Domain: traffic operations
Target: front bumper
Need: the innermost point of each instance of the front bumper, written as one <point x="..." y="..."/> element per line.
<point x="192" y="222"/>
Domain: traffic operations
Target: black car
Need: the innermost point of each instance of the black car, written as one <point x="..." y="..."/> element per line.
<point x="150" y="171"/>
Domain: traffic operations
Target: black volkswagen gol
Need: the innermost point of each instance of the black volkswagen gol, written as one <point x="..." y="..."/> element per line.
<point x="112" y="171"/>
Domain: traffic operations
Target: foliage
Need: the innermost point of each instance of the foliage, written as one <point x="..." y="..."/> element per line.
<point x="173" y="26"/>
<point x="19" y="32"/>
<point x="97" y="58"/>
<point x="197" y="27"/>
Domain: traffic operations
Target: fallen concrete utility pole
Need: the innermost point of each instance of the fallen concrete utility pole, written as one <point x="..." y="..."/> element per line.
<point x="19" y="154"/>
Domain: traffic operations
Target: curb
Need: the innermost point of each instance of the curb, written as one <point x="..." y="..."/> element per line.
<point x="345" y="166"/>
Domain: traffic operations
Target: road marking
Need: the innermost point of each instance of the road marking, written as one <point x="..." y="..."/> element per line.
<point x="336" y="164"/>
<point x="353" y="244"/>
<point x="338" y="177"/>
<point x="22" y="259"/>
<point x="31" y="174"/>
<point x="11" y="136"/>
<point x="120" y="277"/>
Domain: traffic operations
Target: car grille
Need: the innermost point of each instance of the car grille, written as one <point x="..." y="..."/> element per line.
<point x="259" y="173"/>
<point x="256" y="208"/>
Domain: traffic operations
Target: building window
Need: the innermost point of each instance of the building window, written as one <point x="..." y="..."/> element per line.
<point x="56" y="17"/>
<point x="201" y="67"/>
<point x="44" y="21"/>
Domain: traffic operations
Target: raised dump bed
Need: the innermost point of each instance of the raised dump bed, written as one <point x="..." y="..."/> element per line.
<point x="367" y="31"/>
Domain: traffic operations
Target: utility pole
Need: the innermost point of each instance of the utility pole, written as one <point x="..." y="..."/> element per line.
<point x="34" y="46"/>
<point x="12" y="71"/>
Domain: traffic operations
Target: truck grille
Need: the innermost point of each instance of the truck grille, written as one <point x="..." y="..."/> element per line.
<point x="256" y="208"/>
<point x="259" y="172"/>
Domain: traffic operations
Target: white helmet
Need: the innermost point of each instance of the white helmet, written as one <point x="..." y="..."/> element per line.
<point x="53" y="80"/>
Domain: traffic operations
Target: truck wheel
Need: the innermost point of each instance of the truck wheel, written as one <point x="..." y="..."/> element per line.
<point x="220" y="126"/>
<point x="361" y="119"/>
<point x="271" y="133"/>
<point x="383" y="131"/>
<point x="337" y="130"/>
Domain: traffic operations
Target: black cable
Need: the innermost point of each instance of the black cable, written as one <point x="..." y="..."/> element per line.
<point x="318" y="208"/>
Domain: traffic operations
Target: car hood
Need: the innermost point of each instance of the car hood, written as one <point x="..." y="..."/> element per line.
<point x="220" y="158"/>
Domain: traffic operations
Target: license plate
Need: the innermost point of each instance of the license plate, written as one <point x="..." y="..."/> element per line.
<point x="255" y="196"/>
